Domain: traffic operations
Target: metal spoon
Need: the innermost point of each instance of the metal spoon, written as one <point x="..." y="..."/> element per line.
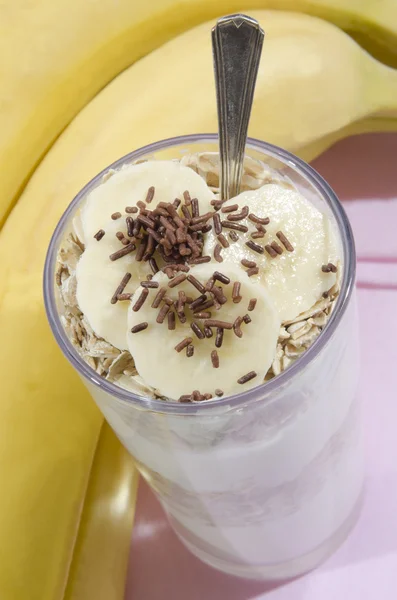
<point x="237" y="45"/>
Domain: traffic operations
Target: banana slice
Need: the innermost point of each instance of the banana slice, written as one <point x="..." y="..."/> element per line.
<point x="174" y="374"/>
<point x="97" y="276"/>
<point x="129" y="185"/>
<point x="294" y="279"/>
<point x="97" y="280"/>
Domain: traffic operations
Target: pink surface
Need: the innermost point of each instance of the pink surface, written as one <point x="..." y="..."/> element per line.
<point x="362" y="172"/>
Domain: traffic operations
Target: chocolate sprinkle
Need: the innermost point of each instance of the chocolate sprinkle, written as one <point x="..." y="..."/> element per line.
<point x="210" y="284"/>
<point x="215" y="359"/>
<point x="217" y="224"/>
<point x="286" y="243"/>
<point x="179" y="347"/>
<point x="219" y="337"/>
<point x="270" y="251"/>
<point x="130" y="226"/>
<point x="141" y="250"/>
<point x="200" y="260"/>
<point x="223" y="240"/>
<point x="247" y="377"/>
<point x="197" y="330"/>
<point x="247" y="319"/>
<point x="217" y="203"/>
<point x="123" y="297"/>
<point x="116" y="215"/>
<point x="120" y="235"/>
<point x="219" y="295"/>
<point x="248" y="263"/>
<point x="236" y="292"/>
<point x="243" y="214"/>
<point x="158" y="298"/>
<point x="217" y="253"/>
<point x="236" y="226"/>
<point x="326" y="269"/>
<point x="99" y="234"/>
<point x="203" y="218"/>
<point x="332" y="267"/>
<point x="139" y="327"/>
<point x="228" y="209"/>
<point x="219" y="324"/>
<point x="189" y="350"/>
<point x="219" y="392"/>
<point x="237" y="327"/>
<point x="120" y="288"/>
<point x="150" y="284"/>
<point x="202" y="315"/>
<point x="177" y="280"/>
<point x="122" y="252"/>
<point x="163" y="312"/>
<point x="187" y="198"/>
<point x="185" y="398"/>
<point x="171" y="321"/>
<point x="276" y="247"/>
<point x="257" y="235"/>
<point x="146" y="220"/>
<point x="150" y="194"/>
<point x="197" y="302"/>
<point x="131" y="209"/>
<point x="233" y="236"/>
<point x="195" y="207"/>
<point x="208" y="332"/>
<point x="253" y="271"/>
<point x="255" y="247"/>
<point x="196" y="283"/>
<point x="221" y="277"/>
<point x="153" y="265"/>
<point x="252" y="304"/>
<point x="186" y="212"/>
<point x="139" y="303"/>
<point x="255" y="219"/>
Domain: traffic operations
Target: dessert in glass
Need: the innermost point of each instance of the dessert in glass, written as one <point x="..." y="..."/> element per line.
<point x="219" y="339"/>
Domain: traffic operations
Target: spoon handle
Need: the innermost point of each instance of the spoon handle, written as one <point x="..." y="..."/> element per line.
<point x="237" y="45"/>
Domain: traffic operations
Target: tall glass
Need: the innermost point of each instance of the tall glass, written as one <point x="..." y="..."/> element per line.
<point x="264" y="484"/>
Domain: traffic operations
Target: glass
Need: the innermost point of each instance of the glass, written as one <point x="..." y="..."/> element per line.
<point x="267" y="483"/>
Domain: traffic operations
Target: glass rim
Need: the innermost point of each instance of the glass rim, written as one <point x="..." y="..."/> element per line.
<point x="248" y="396"/>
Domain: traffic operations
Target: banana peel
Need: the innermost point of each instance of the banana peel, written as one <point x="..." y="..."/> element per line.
<point x="64" y="52"/>
<point x="315" y="85"/>
<point x="99" y="564"/>
<point x="68" y="487"/>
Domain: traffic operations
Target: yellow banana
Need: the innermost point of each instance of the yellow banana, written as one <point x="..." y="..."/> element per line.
<point x="49" y="430"/>
<point x="55" y="55"/>
<point x="314" y="85"/>
<point x="101" y="552"/>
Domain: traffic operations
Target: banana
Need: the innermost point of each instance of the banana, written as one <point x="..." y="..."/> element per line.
<point x="63" y="57"/>
<point x="293" y="279"/>
<point x="101" y="549"/>
<point x="49" y="432"/>
<point x="296" y="57"/>
<point x="172" y="372"/>
<point x="97" y="275"/>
